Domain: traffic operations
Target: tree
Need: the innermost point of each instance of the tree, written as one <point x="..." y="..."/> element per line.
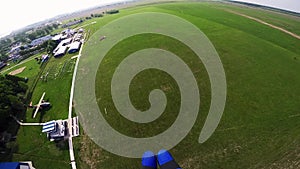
<point x="98" y="15"/>
<point x="114" y="11"/>
<point x="3" y="56"/>
<point x="51" y="45"/>
<point x="32" y="36"/>
<point x="12" y="91"/>
<point x="40" y="33"/>
<point x="55" y="26"/>
<point x="50" y="28"/>
<point x="47" y="31"/>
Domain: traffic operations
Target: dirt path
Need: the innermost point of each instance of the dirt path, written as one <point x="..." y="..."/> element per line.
<point x="265" y="23"/>
<point x="15" y="72"/>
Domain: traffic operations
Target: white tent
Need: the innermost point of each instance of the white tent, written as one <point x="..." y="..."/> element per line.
<point x="61" y="51"/>
<point x="74" y="47"/>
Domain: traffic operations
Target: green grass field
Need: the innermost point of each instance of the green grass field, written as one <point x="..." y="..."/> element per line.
<point x="261" y="123"/>
<point x="32" y="144"/>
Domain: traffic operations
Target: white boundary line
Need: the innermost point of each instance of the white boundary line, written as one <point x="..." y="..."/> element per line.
<point x="27" y="124"/>
<point x="71" y="150"/>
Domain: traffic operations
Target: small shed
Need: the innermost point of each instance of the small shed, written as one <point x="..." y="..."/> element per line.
<point x="56" y="130"/>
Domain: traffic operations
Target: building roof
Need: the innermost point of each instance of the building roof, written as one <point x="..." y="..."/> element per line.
<point x="57" y="37"/>
<point x="40" y="40"/>
<point x="49" y="126"/>
<point x="65" y="42"/>
<point x="62" y="43"/>
<point x="74" y="46"/>
<point x="61" y="51"/>
<point x="2" y="65"/>
<point x="59" y="129"/>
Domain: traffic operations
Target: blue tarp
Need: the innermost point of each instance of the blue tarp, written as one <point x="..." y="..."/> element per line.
<point x="9" y="165"/>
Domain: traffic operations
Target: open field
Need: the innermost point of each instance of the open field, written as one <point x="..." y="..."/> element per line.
<point x="259" y="128"/>
<point x="268" y="24"/>
<point x="289" y="22"/>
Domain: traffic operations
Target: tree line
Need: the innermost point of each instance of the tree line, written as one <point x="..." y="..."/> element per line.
<point x="12" y="98"/>
<point x="25" y="38"/>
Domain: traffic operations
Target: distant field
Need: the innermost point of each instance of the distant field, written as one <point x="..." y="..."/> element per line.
<point x="289" y="22"/>
<point x="261" y="123"/>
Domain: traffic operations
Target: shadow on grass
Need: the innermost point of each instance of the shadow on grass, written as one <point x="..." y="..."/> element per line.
<point x="43" y="112"/>
<point x="7" y="150"/>
<point x="62" y="144"/>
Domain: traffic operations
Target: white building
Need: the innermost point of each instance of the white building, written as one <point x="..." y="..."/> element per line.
<point x="74" y="47"/>
<point x="56" y="130"/>
<point x="61" y="129"/>
<point x="61" y="51"/>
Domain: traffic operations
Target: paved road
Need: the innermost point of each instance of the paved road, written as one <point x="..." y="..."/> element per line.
<point x="27" y="124"/>
<point x="71" y="150"/>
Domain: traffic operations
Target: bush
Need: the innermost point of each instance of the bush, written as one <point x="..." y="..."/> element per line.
<point x="114" y="11"/>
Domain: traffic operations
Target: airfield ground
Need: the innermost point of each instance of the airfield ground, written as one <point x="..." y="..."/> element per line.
<point x="260" y="125"/>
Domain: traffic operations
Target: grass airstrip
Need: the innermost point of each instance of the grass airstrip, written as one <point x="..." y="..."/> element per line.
<point x="260" y="127"/>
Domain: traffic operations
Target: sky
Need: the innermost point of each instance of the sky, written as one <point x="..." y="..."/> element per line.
<point x="15" y="14"/>
<point x="291" y="5"/>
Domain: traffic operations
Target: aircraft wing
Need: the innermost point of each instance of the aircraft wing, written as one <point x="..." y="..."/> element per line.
<point x="38" y="105"/>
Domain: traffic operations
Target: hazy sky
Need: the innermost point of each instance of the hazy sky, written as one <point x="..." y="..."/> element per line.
<point x="19" y="13"/>
<point x="15" y="14"/>
<point x="292" y="5"/>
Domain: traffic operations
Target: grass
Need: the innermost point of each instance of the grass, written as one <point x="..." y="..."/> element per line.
<point x="260" y="124"/>
<point x="13" y="66"/>
<point x="32" y="144"/>
<point x="289" y="22"/>
<point x="261" y="65"/>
